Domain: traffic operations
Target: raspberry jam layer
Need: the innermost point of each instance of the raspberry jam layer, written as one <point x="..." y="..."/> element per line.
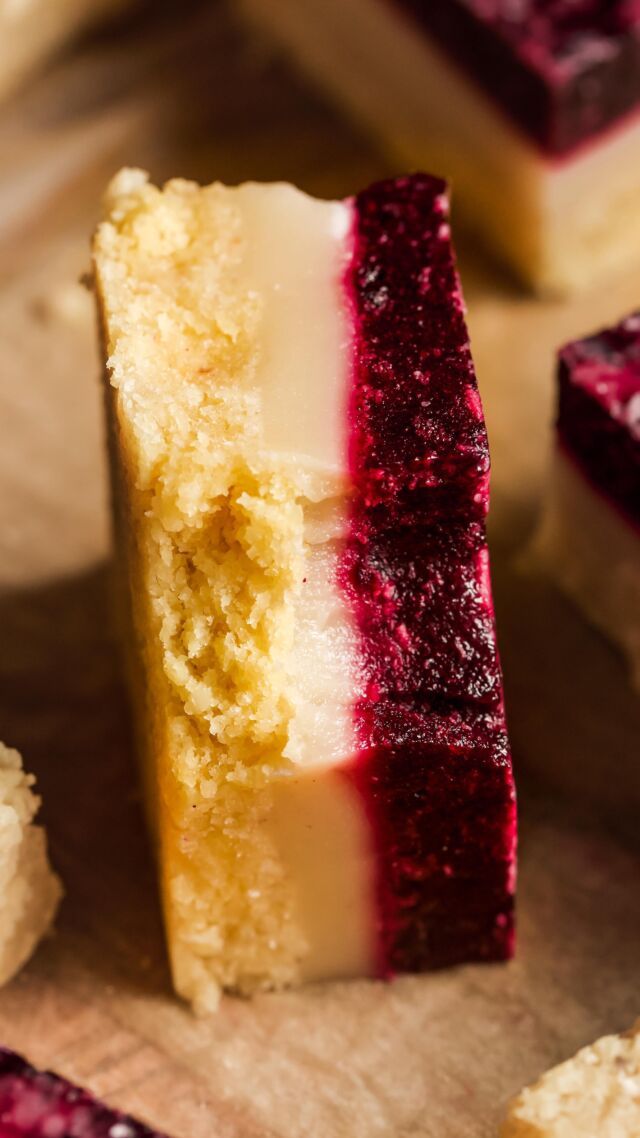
<point x="563" y="69"/>
<point x="39" y="1104"/>
<point x="434" y="769"/>
<point x="599" y="411"/>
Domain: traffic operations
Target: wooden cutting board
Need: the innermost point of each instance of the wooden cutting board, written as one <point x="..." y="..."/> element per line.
<point x="434" y="1056"/>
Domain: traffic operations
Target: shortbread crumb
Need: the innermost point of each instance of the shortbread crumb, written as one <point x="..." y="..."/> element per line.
<point x="29" y="890"/>
<point x="594" y="1095"/>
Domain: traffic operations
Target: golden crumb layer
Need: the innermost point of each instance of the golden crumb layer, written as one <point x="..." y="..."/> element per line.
<point x="210" y="539"/>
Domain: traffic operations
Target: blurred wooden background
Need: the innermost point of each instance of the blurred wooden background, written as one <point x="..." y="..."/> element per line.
<point x="183" y="89"/>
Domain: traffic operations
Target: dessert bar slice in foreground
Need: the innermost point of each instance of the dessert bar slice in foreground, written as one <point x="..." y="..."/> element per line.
<point x="531" y="108"/>
<point x="39" y="1104"/>
<point x="590" y="534"/>
<point x="594" y="1095"/>
<point x="29" y="890"/>
<point x="300" y="472"/>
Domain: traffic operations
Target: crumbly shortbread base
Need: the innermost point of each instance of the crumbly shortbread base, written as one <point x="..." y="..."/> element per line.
<point x="29" y="890"/>
<point x="594" y="1095"/>
<point x="32" y="29"/>
<point x="561" y="225"/>
<point x="594" y="554"/>
<point x="228" y="525"/>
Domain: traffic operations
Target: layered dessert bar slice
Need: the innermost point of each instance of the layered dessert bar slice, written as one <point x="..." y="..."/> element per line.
<point x="31" y="30"/>
<point x="590" y="534"/>
<point x="531" y="108"/>
<point x="594" y="1095"/>
<point x="39" y="1104"/>
<point x="300" y="475"/>
<point x="29" y="890"/>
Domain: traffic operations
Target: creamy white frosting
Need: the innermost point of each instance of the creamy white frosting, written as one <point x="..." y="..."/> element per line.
<point x="297" y="250"/>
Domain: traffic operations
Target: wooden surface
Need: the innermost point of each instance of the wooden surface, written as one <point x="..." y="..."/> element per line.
<point x="432" y="1056"/>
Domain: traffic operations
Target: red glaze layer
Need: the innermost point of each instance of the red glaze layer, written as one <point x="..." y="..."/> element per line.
<point x="434" y="768"/>
<point x="38" y="1104"/>
<point x="438" y="786"/>
<point x="564" y="70"/>
<point x="599" y="411"/>
<point x="425" y="612"/>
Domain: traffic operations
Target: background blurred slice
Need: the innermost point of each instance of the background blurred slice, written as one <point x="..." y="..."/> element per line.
<point x="30" y="30"/>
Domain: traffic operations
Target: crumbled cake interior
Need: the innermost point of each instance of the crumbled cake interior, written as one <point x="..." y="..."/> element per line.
<point x="218" y="555"/>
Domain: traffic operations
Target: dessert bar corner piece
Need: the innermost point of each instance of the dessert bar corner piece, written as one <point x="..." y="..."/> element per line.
<point x="532" y="109"/>
<point x="39" y="1104"/>
<point x="29" y="890"/>
<point x="300" y="477"/>
<point x="594" y="1095"/>
<point x="590" y="533"/>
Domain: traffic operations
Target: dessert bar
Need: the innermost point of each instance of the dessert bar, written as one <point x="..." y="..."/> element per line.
<point x="594" y="1095"/>
<point x="29" y="890"/>
<point x="300" y="478"/>
<point x="590" y="534"/>
<point x="532" y="109"/>
<point x="39" y="1104"/>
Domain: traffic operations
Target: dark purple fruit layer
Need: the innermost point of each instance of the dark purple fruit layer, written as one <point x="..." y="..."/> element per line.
<point x="599" y="410"/>
<point x="434" y="767"/>
<point x="38" y="1104"/>
<point x="425" y="612"/>
<point x="563" y="69"/>
<point x="419" y="432"/>
<point x="440" y="797"/>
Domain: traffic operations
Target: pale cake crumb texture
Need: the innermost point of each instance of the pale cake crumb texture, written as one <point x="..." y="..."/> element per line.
<point x="594" y="1095"/>
<point x="29" y="890"/>
<point x="211" y="545"/>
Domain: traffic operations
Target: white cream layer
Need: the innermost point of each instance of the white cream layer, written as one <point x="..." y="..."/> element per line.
<point x="594" y="554"/>
<point x="297" y="248"/>
<point x="560" y="224"/>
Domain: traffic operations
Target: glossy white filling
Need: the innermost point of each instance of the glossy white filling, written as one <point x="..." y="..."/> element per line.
<point x="560" y="224"/>
<point x="297" y="250"/>
<point x="322" y="834"/>
<point x="594" y="554"/>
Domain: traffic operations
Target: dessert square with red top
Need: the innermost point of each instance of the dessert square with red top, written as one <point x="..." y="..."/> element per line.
<point x="591" y="529"/>
<point x="531" y="108"/>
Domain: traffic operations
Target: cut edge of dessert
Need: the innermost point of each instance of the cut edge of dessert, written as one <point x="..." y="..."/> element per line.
<point x="299" y="500"/>
<point x="29" y="890"/>
<point x="596" y="1093"/>
<point x="589" y="535"/>
<point x="560" y="220"/>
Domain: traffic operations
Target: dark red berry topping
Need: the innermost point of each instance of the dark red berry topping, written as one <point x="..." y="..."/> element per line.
<point x="434" y="767"/>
